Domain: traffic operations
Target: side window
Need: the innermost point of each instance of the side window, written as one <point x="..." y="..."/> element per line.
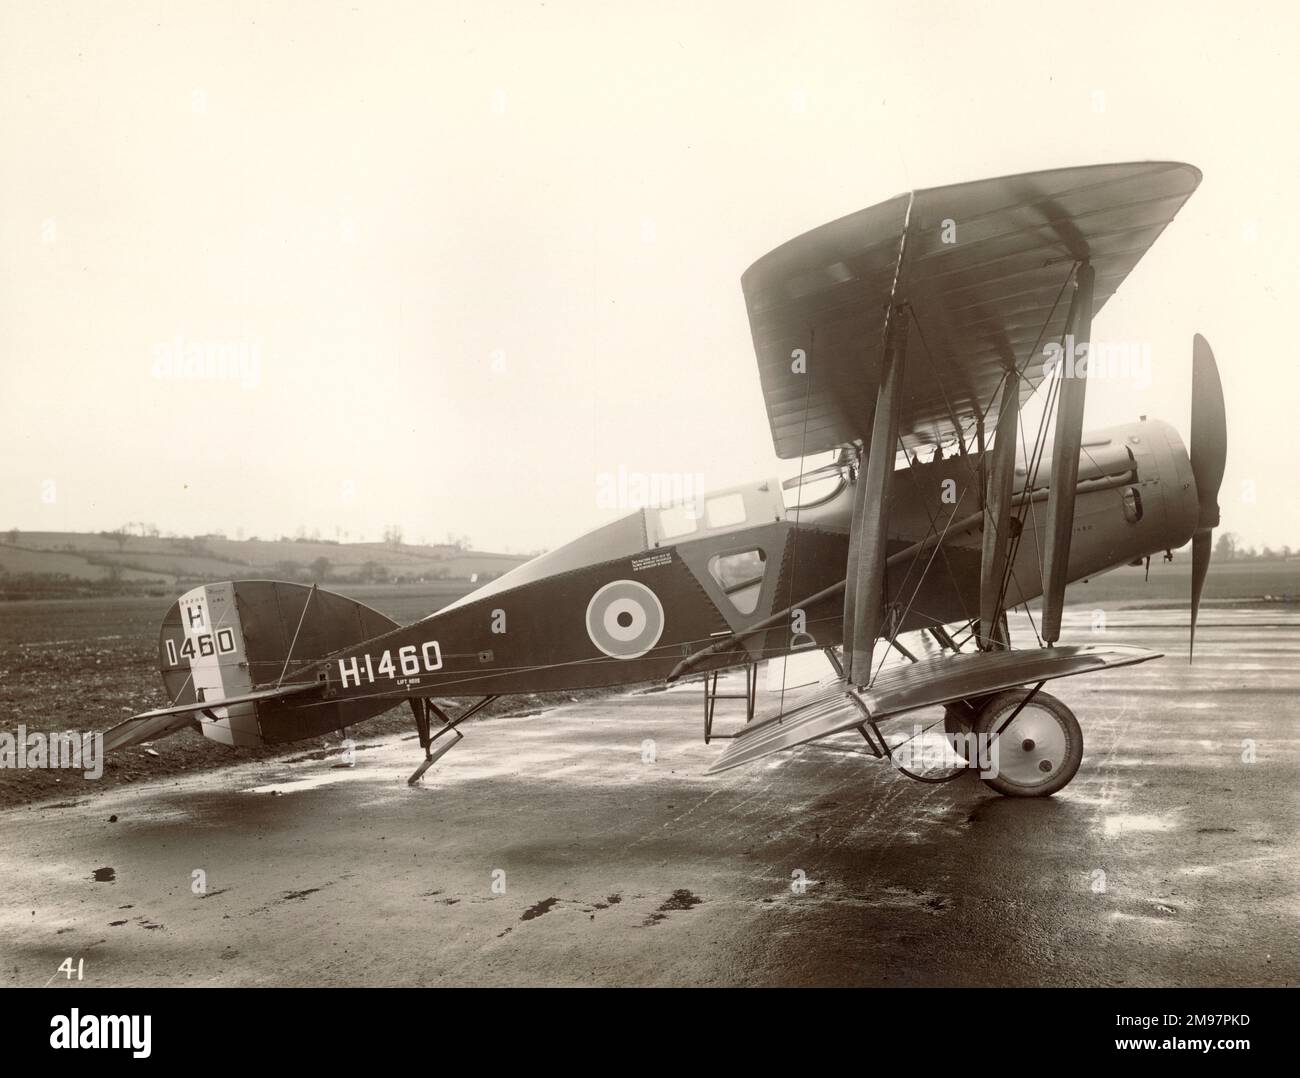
<point x="740" y="576"/>
<point x="677" y="520"/>
<point x="725" y="511"/>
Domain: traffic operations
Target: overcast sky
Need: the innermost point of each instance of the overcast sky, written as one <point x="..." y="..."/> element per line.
<point x="475" y="255"/>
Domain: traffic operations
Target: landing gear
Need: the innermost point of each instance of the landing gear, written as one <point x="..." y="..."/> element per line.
<point x="712" y="696"/>
<point x="960" y="715"/>
<point x="1039" y="743"/>
<point x="425" y="710"/>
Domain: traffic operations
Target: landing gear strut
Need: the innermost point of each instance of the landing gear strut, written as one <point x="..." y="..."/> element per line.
<point x="425" y="709"/>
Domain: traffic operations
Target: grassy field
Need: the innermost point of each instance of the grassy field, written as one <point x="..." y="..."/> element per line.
<point x="1172" y="583"/>
<point x="54" y="564"/>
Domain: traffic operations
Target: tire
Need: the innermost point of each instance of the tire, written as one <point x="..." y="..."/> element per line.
<point x="1043" y="739"/>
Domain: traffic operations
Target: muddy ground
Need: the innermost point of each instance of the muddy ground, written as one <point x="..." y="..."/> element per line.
<point x="556" y="849"/>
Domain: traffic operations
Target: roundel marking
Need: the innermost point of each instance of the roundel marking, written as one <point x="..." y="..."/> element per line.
<point x="625" y="619"/>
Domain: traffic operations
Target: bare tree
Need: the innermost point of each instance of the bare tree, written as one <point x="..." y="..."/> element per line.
<point x="372" y="573"/>
<point x="118" y="535"/>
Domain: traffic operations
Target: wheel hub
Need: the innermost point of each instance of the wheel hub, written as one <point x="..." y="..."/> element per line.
<point x="1033" y="747"/>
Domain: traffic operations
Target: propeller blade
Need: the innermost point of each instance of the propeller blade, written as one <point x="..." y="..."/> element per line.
<point x="843" y="460"/>
<point x="1201" y="550"/>
<point x="1208" y="451"/>
<point x="799" y="480"/>
<point x="1209" y="433"/>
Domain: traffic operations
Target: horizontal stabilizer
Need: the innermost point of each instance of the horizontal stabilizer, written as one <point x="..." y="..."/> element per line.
<point x="136" y="729"/>
<point x="925" y="684"/>
<point x="149" y="725"/>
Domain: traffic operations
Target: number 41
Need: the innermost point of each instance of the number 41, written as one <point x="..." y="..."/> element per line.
<point x="67" y="967"/>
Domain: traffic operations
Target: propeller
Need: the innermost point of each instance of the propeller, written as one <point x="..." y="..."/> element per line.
<point x="837" y="466"/>
<point x="1208" y="453"/>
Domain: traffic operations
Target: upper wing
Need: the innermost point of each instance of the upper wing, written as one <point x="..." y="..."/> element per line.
<point x="989" y="299"/>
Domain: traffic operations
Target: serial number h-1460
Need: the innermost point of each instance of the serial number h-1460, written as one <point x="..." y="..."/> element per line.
<point x="410" y="660"/>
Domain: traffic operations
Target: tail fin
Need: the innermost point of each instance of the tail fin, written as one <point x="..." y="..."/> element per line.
<point x="227" y="651"/>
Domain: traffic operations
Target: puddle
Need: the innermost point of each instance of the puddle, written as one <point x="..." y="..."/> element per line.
<point x="1122" y="825"/>
<point x="297" y="785"/>
<point x="544" y="906"/>
<point x="681" y="899"/>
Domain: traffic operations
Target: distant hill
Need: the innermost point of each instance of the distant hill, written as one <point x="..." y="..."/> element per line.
<point x="48" y="564"/>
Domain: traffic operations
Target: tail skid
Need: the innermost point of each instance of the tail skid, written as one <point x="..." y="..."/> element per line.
<point x="425" y="709"/>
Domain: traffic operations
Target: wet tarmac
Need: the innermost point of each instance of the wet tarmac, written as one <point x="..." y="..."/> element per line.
<point x="586" y="846"/>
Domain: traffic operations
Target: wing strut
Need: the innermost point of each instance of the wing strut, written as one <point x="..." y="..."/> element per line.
<point x="869" y="529"/>
<point x="997" y="515"/>
<point x="1065" y="457"/>
<point x="899" y="557"/>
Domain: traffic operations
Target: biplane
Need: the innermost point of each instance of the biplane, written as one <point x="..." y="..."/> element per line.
<point x="904" y="339"/>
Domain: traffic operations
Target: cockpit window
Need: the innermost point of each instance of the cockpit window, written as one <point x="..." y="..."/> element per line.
<point x="814" y="492"/>
<point x="740" y="576"/>
<point x="1132" y="504"/>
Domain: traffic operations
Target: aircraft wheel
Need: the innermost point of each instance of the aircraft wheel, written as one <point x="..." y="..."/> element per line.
<point x="1040" y="751"/>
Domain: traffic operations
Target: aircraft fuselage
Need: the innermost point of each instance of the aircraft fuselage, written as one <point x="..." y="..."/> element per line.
<point x="627" y="602"/>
